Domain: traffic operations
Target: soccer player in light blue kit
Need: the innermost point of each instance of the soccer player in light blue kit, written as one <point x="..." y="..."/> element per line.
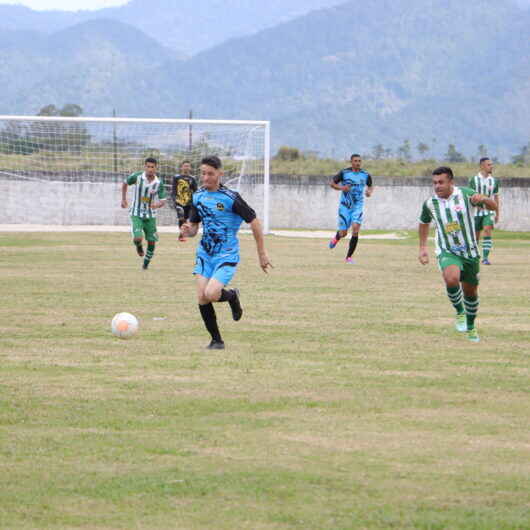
<point x="354" y="183"/>
<point x="221" y="212"/>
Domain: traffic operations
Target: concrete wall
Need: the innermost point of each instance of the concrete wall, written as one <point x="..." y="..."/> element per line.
<point x="295" y="203"/>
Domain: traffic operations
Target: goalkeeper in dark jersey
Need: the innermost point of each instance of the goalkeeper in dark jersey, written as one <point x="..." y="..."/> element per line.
<point x="183" y="187"/>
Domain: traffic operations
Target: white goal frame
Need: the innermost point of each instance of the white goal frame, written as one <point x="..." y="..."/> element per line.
<point x="264" y="124"/>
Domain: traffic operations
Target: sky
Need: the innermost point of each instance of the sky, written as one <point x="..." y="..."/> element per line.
<point x="76" y="5"/>
<point x="66" y="5"/>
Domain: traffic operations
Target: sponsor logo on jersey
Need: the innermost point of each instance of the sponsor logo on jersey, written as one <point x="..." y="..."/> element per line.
<point x="220" y="206"/>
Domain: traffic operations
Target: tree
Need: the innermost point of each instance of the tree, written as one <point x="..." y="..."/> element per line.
<point x="404" y="151"/>
<point x="523" y="158"/>
<point x="453" y="155"/>
<point x="287" y="154"/>
<point x="378" y="151"/>
<point x="422" y="149"/>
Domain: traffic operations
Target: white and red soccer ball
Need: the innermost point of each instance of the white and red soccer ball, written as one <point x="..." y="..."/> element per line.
<point x="124" y="325"/>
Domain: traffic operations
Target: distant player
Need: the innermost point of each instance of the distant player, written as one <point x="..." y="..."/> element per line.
<point x="485" y="184"/>
<point x="149" y="195"/>
<point x="354" y="183"/>
<point x="221" y="212"/>
<point x="452" y="210"/>
<point x="184" y="185"/>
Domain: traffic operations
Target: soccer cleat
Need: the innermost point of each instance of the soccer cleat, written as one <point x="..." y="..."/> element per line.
<point x="182" y="239"/>
<point x="486" y="261"/>
<point x="472" y="335"/>
<point x="333" y="243"/>
<point x="216" y="345"/>
<point x="144" y="266"/>
<point x="461" y="324"/>
<point x="140" y="250"/>
<point x="349" y="260"/>
<point x="235" y="306"/>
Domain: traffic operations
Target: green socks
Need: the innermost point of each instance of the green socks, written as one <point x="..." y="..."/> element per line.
<point x="149" y="253"/>
<point x="487" y="243"/>
<point x="471" y="305"/>
<point x="456" y="298"/>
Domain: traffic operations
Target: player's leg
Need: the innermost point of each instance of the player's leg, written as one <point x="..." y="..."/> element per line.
<point x="451" y="267"/>
<point x="343" y="224"/>
<point x="151" y="236"/>
<point x="471" y="300"/>
<point x="137" y="234"/>
<point x="203" y="271"/>
<point x="357" y="218"/>
<point x="222" y="275"/>
<point x="180" y="220"/>
<point x="487" y="241"/>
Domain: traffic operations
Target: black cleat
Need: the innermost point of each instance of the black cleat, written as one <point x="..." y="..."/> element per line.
<point x="140" y="250"/>
<point x="216" y="345"/>
<point x="144" y="266"/>
<point x="235" y="306"/>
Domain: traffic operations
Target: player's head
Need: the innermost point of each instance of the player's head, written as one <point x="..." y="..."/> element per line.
<point x="150" y="164"/>
<point x="486" y="165"/>
<point x="185" y="167"/>
<point x="442" y="180"/>
<point x="356" y="161"/>
<point x="211" y="172"/>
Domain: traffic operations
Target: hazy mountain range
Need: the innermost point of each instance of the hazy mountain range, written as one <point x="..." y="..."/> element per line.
<point x="340" y="78"/>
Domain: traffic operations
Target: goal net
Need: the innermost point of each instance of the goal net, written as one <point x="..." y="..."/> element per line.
<point x="75" y="155"/>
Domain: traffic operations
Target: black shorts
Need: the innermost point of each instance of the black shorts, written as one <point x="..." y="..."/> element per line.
<point x="183" y="212"/>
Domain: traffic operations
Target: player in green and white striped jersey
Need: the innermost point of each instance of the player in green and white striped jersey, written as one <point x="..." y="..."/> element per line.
<point x="486" y="184"/>
<point x="452" y="210"/>
<point x="144" y="206"/>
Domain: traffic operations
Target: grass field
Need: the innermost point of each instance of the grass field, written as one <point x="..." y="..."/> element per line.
<point x="344" y="399"/>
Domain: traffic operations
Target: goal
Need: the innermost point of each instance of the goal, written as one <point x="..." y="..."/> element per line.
<point x="72" y="151"/>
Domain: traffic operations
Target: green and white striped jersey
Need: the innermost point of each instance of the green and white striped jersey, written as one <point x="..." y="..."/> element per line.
<point x="488" y="186"/>
<point x="453" y="217"/>
<point x="144" y="194"/>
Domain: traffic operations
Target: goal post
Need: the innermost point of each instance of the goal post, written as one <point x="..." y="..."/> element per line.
<point x="105" y="150"/>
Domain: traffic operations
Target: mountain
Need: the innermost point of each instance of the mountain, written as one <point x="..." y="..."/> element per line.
<point x="363" y="73"/>
<point x="186" y="26"/>
<point x="98" y="64"/>
<point x="333" y="80"/>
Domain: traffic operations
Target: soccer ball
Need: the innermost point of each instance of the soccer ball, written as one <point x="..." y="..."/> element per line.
<point x="124" y="325"/>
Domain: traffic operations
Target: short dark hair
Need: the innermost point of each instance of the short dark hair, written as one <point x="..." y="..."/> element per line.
<point x="444" y="170"/>
<point x="213" y="161"/>
<point x="185" y="162"/>
<point x="355" y="155"/>
<point x="483" y="159"/>
<point x="151" y="160"/>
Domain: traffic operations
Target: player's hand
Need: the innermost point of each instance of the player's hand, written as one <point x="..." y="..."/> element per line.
<point x="124" y="203"/>
<point x="185" y="230"/>
<point x="477" y="198"/>
<point x="423" y="256"/>
<point x="368" y="193"/>
<point x="265" y="262"/>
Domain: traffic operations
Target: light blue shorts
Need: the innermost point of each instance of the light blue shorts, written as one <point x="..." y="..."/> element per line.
<point x="222" y="268"/>
<point x="348" y="216"/>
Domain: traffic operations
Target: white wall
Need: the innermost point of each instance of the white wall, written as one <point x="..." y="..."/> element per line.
<point x="293" y="205"/>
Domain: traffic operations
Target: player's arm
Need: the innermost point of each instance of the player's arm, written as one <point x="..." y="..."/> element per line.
<point x="241" y="208"/>
<point x="162" y="197"/>
<point x="369" y="186"/>
<point x="257" y="232"/>
<point x="191" y="226"/>
<point x="497" y="200"/>
<point x="131" y="179"/>
<point x="336" y="183"/>
<point x="481" y="200"/>
<point x="423" y="233"/>
<point x="174" y="190"/>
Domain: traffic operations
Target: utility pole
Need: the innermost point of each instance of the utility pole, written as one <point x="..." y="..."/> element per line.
<point x="114" y="144"/>
<point x="190" y="134"/>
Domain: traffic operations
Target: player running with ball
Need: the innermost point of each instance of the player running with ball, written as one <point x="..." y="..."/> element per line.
<point x="221" y="212"/>
<point x="452" y="209"/>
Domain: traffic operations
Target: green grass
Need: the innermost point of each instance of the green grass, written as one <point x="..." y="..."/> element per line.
<point x="344" y="399"/>
<point x="390" y="168"/>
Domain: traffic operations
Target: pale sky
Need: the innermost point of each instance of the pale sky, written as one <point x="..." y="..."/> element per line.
<point x="76" y="5"/>
<point x="66" y="5"/>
